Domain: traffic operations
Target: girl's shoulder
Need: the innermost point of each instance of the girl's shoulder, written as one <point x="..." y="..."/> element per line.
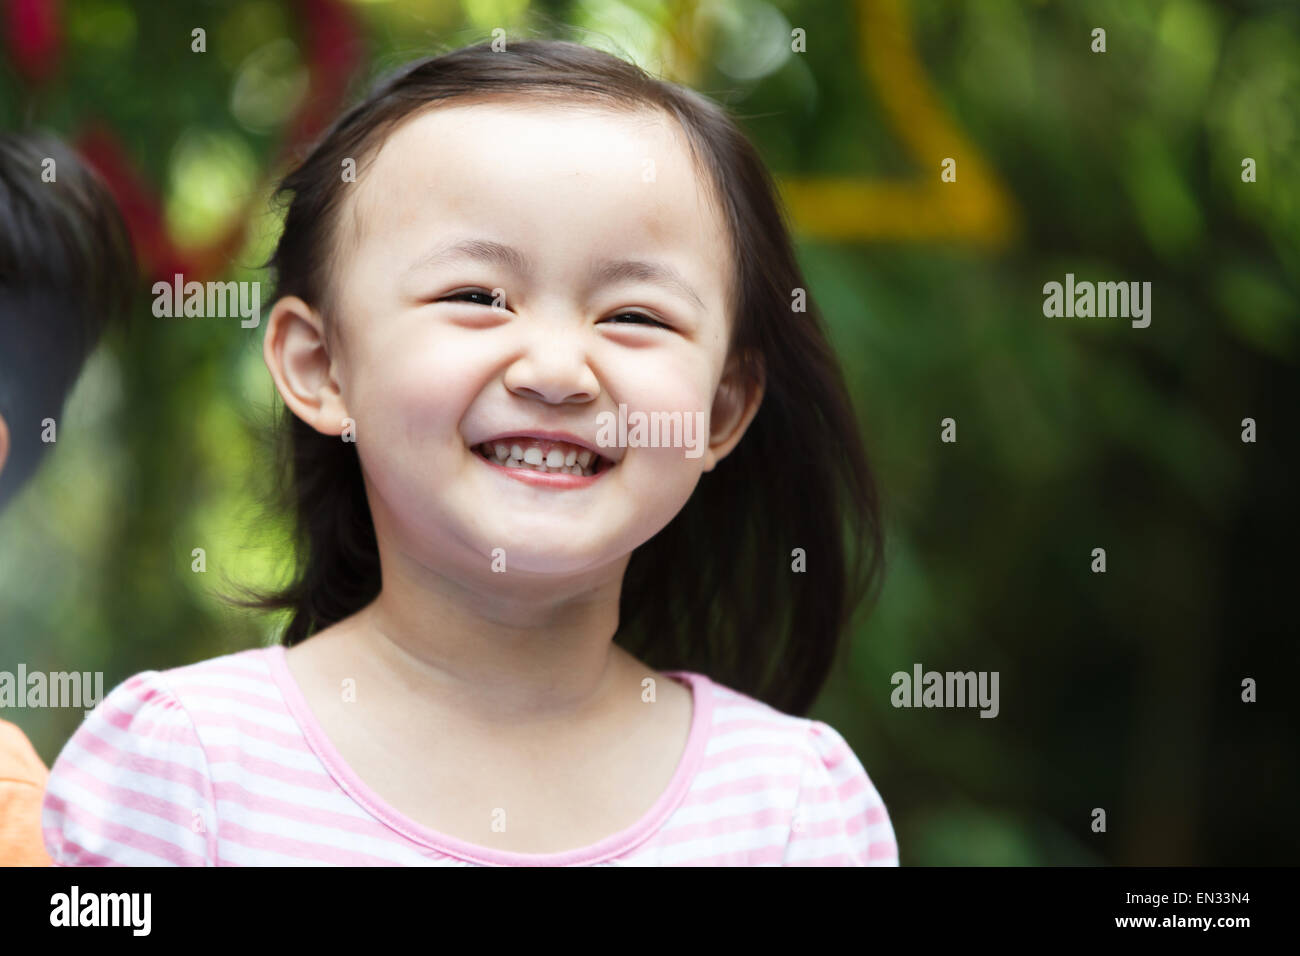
<point x="191" y="695"/>
<point x="837" y="814"/>
<point x="253" y="666"/>
<point x="734" y="713"/>
<point x="149" y="702"/>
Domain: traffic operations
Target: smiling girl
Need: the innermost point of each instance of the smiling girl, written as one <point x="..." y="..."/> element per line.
<point x="512" y="643"/>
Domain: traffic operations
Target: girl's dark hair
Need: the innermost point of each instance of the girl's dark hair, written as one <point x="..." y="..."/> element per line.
<point x="716" y="591"/>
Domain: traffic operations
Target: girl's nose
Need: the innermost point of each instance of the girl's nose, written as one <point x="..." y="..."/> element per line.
<point x="554" y="370"/>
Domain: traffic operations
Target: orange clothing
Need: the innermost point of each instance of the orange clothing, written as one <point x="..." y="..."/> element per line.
<point x="22" y="788"/>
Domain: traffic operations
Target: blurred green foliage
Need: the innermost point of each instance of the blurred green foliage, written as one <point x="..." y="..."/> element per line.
<point x="1119" y="691"/>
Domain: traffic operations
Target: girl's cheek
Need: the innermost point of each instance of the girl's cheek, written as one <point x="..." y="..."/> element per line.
<point x="666" y="380"/>
<point x="413" y="376"/>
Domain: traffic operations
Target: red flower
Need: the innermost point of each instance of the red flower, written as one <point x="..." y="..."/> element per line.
<point x="35" y="33"/>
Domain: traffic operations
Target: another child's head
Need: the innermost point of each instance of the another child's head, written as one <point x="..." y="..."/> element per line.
<point x="503" y="245"/>
<point x="66" y="269"/>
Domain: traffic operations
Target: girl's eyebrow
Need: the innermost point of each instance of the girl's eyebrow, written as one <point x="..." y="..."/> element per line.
<point x="602" y="271"/>
<point x="479" y="250"/>
<point x="640" y="270"/>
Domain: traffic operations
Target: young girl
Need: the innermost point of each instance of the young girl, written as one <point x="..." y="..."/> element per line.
<point x="506" y="608"/>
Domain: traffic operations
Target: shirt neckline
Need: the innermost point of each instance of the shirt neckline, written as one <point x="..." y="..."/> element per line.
<point x="611" y="846"/>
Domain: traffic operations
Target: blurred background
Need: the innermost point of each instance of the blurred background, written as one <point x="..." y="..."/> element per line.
<point x="1119" y="690"/>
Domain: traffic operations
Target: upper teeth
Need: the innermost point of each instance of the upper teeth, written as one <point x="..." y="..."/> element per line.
<point x="550" y="456"/>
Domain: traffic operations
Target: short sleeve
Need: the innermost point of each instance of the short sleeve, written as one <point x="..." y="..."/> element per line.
<point x="131" y="787"/>
<point x="839" y="818"/>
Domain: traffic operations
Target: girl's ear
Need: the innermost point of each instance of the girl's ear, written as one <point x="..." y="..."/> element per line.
<point x="4" y="442"/>
<point x="734" y="406"/>
<point x="296" y="354"/>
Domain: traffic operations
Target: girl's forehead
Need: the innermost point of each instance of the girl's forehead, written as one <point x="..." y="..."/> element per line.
<point x="557" y="163"/>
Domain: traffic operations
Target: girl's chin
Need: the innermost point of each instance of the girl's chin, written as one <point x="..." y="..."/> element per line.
<point x="526" y="543"/>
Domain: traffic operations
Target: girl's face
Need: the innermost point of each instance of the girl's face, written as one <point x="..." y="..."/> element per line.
<point x="611" y="270"/>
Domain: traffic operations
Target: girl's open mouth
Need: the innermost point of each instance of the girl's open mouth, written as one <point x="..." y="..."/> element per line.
<point x="543" y="456"/>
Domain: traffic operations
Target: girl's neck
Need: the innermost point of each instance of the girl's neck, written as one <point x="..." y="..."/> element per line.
<point x="505" y="650"/>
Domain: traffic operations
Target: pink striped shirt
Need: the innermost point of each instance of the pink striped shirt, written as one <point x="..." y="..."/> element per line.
<point x="221" y="763"/>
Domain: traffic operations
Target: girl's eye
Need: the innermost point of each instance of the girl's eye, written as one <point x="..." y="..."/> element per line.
<point x="463" y="296"/>
<point x="638" y="318"/>
<point x="623" y="318"/>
